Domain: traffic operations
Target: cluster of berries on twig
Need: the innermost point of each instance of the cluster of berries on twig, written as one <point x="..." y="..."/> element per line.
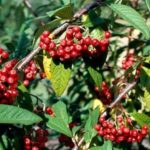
<point x="123" y="131"/>
<point x="74" y="45"/>
<point x="105" y="94"/>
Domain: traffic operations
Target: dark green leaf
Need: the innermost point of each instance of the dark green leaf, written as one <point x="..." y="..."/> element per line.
<point x="14" y="115"/>
<point x="89" y="126"/>
<point x="96" y="76"/>
<point x="49" y="26"/>
<point x="4" y="144"/>
<point x="61" y="121"/>
<point x="91" y="19"/>
<point x="132" y="17"/>
<point x="65" y="12"/>
<point x="145" y="78"/>
<point x="148" y="4"/>
<point x="60" y="77"/>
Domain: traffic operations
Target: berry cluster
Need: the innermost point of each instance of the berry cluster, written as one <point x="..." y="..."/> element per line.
<point x="105" y="94"/>
<point x="3" y="55"/>
<point x="129" y="61"/>
<point x="67" y="140"/>
<point x="30" y="72"/>
<point x="74" y="45"/>
<point x="36" y="140"/>
<point x="8" y="83"/>
<point x="121" y="133"/>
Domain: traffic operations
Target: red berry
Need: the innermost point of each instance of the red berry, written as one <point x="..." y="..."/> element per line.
<point x="76" y="29"/>
<point x="49" y="110"/>
<point x="107" y="34"/>
<point x="35" y="148"/>
<point x="26" y="82"/>
<point x="5" y="54"/>
<point x="97" y="127"/>
<point x="27" y="141"/>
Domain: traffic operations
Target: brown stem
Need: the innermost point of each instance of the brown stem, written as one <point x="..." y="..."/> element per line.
<point x="29" y="6"/>
<point x="60" y="29"/>
<point x="27" y="59"/>
<point x="84" y="10"/>
<point x="128" y="87"/>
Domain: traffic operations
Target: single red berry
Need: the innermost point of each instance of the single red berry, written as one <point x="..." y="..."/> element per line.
<point x="101" y="120"/>
<point x="5" y="54"/>
<point x="78" y="36"/>
<point x="26" y="82"/>
<point x="97" y="127"/>
<point x="76" y="29"/>
<point x="49" y="110"/>
<point x="107" y="34"/>
<point x="35" y="148"/>
<point x="27" y="141"/>
<point x="46" y="33"/>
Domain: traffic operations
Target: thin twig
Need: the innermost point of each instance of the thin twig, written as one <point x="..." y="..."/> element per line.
<point x="29" y="6"/>
<point x="28" y="58"/>
<point x="128" y="87"/>
<point x="84" y="10"/>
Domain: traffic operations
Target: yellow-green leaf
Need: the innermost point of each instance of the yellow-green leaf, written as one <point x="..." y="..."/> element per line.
<point x="147" y="99"/>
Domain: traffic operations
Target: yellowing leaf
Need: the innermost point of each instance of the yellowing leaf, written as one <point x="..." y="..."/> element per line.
<point x="98" y="103"/>
<point x="46" y="64"/>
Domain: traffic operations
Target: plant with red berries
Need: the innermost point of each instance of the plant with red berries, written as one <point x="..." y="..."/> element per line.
<point x="65" y="82"/>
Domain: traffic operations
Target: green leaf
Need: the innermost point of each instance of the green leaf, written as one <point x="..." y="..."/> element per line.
<point x="65" y="12"/>
<point x="106" y="146"/>
<point x="49" y="26"/>
<point x="66" y="2"/>
<point x="91" y="19"/>
<point x="75" y="129"/>
<point x="145" y="78"/>
<point x="146" y="99"/>
<point x="96" y="76"/>
<point x="14" y="115"/>
<point x="132" y="17"/>
<point x="89" y="126"/>
<point x="60" y="76"/>
<point x="88" y="135"/>
<point x="146" y="50"/>
<point x="4" y="143"/>
<point x="141" y="118"/>
<point x="97" y="33"/>
<point x="96" y="148"/>
<point x="61" y="119"/>
<point x="148" y="4"/>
